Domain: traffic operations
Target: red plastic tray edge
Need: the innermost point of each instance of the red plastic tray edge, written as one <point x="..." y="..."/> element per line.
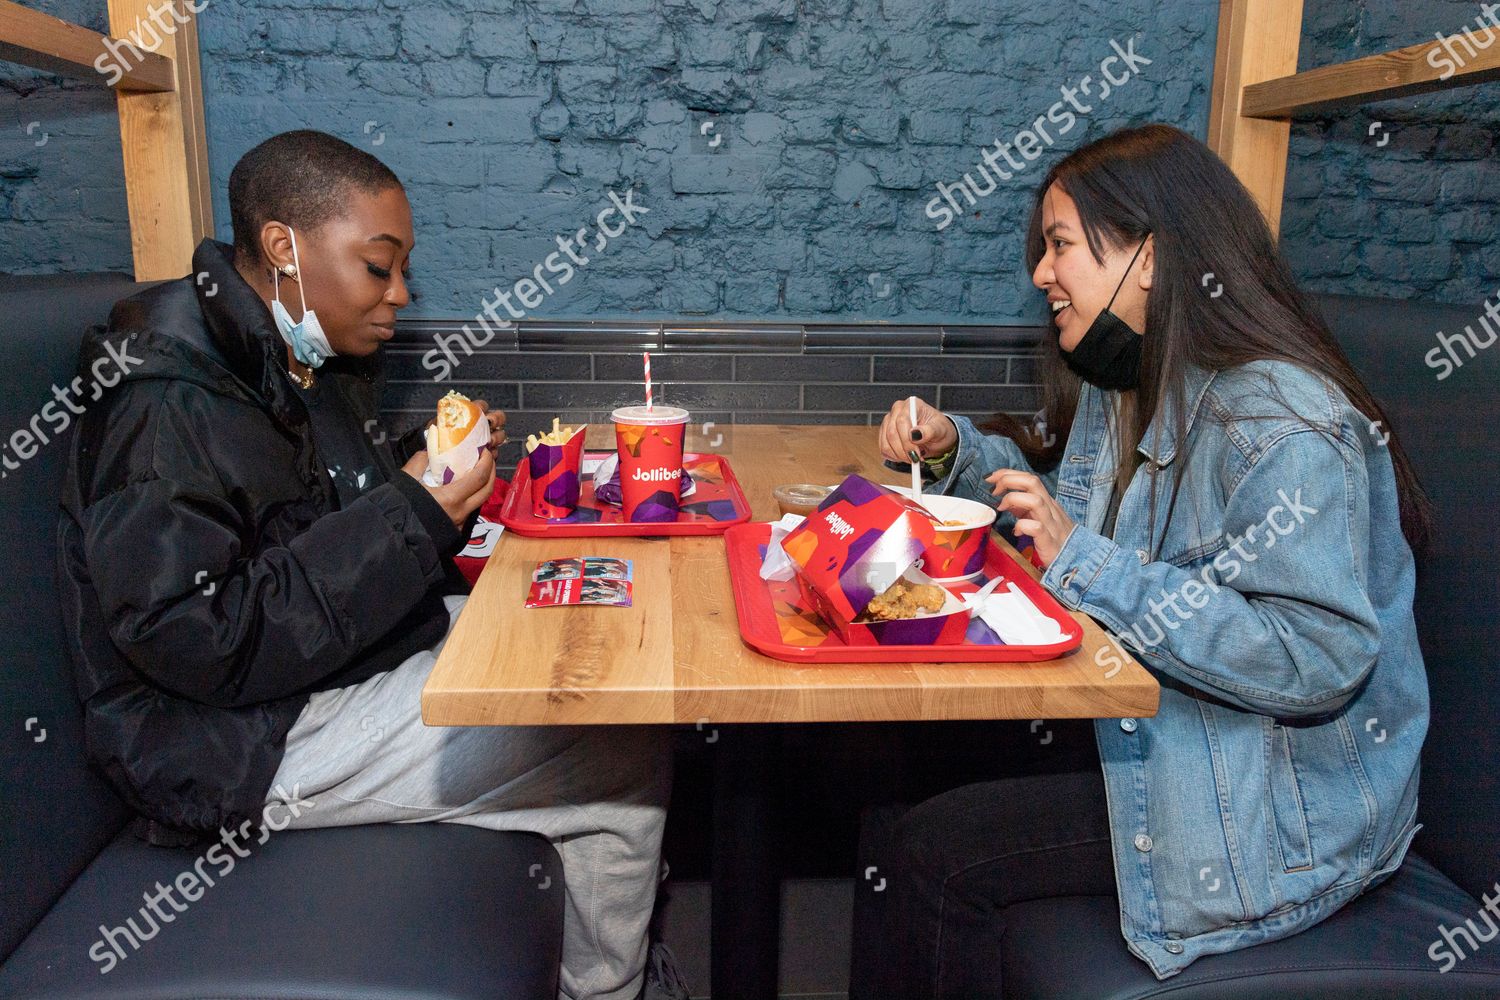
<point x="516" y="518"/>
<point x="752" y="607"/>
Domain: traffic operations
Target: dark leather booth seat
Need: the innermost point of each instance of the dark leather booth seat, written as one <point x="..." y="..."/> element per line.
<point x="1376" y="948"/>
<point x="430" y="911"/>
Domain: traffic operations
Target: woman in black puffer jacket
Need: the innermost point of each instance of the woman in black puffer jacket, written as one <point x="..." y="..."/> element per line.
<point x="248" y="563"/>
<point x="213" y="575"/>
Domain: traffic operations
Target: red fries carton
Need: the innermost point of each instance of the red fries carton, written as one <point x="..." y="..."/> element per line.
<point x="862" y="538"/>
<point x="556" y="476"/>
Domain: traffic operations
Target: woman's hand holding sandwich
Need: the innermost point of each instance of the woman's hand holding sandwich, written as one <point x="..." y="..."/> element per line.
<point x="465" y="493"/>
<point x="458" y="417"/>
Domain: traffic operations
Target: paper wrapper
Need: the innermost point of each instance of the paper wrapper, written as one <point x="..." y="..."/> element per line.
<point x="556" y="471"/>
<point x="445" y="466"/>
<point x="607" y="482"/>
<point x="776" y="564"/>
<point x="862" y="538"/>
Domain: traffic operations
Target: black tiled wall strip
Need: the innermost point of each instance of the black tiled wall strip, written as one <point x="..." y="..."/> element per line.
<point x="726" y="373"/>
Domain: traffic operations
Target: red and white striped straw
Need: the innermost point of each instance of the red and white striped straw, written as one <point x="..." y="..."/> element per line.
<point x="647" y="356"/>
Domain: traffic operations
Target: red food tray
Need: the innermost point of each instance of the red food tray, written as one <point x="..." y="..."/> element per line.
<point x="717" y="505"/>
<point x="774" y="620"/>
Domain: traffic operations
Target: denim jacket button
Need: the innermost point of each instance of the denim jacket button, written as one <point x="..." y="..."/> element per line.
<point x="1173" y="947"/>
<point x="1143" y="556"/>
<point x="1142" y="843"/>
<point x="1128" y="725"/>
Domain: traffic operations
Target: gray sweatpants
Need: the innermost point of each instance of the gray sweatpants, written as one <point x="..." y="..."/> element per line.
<point x="361" y="754"/>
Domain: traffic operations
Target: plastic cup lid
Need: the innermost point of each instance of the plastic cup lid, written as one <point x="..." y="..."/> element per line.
<point x="652" y="417"/>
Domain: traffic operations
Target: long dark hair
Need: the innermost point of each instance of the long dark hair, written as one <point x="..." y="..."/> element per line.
<point x="1159" y="180"/>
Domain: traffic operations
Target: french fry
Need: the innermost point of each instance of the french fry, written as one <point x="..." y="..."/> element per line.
<point x="558" y="435"/>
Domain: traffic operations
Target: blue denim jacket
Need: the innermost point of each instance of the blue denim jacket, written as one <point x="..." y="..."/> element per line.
<point x="1273" y="601"/>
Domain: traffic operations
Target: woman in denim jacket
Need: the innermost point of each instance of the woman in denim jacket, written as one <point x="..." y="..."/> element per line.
<point x="1211" y="482"/>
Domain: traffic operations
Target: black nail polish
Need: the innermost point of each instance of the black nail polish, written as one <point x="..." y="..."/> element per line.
<point x="916" y="434"/>
<point x="912" y="454"/>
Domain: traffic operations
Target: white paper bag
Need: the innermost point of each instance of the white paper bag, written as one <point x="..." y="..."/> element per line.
<point x="777" y="565"/>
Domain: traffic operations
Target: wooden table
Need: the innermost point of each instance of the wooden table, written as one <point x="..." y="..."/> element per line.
<point x="676" y="656"/>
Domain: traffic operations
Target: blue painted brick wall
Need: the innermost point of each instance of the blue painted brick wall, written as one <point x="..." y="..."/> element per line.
<point x="62" y="184"/>
<point x="833" y="121"/>
<point x="785" y="151"/>
<point x="1399" y="199"/>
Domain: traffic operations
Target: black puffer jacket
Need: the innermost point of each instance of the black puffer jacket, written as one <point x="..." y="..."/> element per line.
<point x="210" y="581"/>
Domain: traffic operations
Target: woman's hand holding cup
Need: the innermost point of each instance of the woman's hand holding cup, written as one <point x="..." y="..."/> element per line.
<point x="933" y="434"/>
<point x="466" y="493"/>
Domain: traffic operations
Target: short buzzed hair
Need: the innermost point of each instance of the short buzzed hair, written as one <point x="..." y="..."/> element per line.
<point x="302" y="178"/>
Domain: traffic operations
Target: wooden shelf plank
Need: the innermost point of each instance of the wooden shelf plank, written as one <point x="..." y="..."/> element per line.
<point x="1416" y="69"/>
<point x="44" y="42"/>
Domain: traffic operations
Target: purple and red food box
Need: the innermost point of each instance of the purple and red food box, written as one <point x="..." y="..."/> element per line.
<point x="862" y="538"/>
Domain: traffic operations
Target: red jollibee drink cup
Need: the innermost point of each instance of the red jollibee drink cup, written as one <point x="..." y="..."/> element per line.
<point x="649" y="440"/>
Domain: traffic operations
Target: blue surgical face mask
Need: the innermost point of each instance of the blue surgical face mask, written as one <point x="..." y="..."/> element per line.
<point x="305" y="337"/>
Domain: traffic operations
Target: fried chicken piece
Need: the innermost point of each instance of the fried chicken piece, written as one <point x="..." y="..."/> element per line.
<point x="904" y="599"/>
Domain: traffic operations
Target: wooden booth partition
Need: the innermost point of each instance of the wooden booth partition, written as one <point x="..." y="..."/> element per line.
<point x="1257" y="89"/>
<point x="151" y="60"/>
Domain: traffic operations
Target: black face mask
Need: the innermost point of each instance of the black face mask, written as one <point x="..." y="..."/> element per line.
<point x="1109" y="355"/>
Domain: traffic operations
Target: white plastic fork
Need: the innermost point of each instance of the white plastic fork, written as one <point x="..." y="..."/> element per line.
<point x="916" y="470"/>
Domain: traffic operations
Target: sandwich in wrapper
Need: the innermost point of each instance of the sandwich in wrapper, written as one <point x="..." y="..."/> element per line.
<point x="855" y="563"/>
<point x="455" y="440"/>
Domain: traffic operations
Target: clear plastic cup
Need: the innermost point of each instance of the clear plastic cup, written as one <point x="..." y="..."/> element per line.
<point x="800" y="498"/>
